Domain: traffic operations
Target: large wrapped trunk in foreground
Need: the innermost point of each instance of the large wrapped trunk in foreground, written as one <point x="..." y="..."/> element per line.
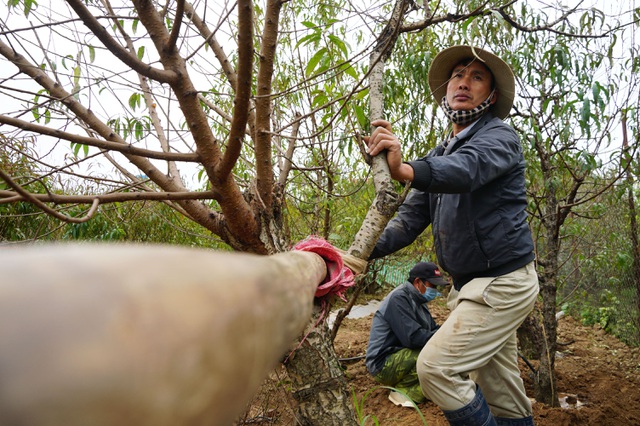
<point x="144" y="335"/>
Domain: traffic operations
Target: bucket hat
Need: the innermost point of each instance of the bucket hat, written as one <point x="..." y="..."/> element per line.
<point x="443" y="63"/>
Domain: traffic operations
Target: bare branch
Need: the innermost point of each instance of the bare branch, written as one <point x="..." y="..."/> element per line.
<point x="177" y="23"/>
<point x="95" y="202"/>
<point x="11" y="196"/>
<point x="550" y="26"/>
<point x="264" y="167"/>
<point x="243" y="89"/>
<point x="223" y="60"/>
<point x="288" y="156"/>
<point x="84" y="140"/>
<point x="129" y="58"/>
<point x="151" y="106"/>
<point x="481" y="11"/>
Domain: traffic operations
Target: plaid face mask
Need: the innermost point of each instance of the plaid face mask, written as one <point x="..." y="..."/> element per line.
<point x="463" y="116"/>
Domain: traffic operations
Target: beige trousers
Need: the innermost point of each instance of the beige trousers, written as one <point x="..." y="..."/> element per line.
<point x="477" y="345"/>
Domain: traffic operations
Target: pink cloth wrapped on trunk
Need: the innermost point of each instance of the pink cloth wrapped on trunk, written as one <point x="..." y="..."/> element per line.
<point x="339" y="277"/>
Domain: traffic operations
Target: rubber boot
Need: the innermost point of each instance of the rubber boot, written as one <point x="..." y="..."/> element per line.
<point x="476" y="413"/>
<point x="525" y="421"/>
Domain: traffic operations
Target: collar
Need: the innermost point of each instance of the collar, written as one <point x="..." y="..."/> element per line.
<point x="415" y="294"/>
<point x="467" y="132"/>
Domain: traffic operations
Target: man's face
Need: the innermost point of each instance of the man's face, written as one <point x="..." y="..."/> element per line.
<point x="469" y="86"/>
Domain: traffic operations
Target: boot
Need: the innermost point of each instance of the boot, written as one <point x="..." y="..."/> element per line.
<point x="476" y="413"/>
<point x="525" y="421"/>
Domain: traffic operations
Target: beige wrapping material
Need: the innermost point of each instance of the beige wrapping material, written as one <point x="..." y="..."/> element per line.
<point x="356" y="265"/>
<point x="144" y="335"/>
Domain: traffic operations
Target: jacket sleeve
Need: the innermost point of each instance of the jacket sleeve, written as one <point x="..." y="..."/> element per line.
<point x="489" y="154"/>
<point x="411" y="220"/>
<point x="402" y="319"/>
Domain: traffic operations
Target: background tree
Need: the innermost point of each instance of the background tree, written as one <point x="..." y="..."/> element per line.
<point x="570" y="103"/>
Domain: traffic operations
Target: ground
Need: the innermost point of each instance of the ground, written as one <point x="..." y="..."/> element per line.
<point x="598" y="380"/>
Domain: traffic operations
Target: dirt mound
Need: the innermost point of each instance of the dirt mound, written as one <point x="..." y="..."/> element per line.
<point x="598" y="381"/>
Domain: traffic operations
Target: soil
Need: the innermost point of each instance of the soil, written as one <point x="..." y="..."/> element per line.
<point x="598" y="381"/>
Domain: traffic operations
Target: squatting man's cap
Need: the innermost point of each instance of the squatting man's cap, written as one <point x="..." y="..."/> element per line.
<point x="443" y="63"/>
<point x="427" y="271"/>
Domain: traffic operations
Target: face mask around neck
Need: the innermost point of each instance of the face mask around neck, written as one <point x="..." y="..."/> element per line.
<point x="463" y="116"/>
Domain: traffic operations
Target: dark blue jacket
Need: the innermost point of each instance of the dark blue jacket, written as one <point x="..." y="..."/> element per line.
<point x="402" y="321"/>
<point x="474" y="199"/>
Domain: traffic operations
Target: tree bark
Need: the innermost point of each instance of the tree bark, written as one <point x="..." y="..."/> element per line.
<point x="319" y="383"/>
<point x="546" y="389"/>
<point x="531" y="335"/>
<point x="633" y="223"/>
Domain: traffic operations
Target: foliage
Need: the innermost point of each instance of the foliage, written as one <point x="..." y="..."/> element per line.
<point x="600" y="285"/>
<point x="608" y="312"/>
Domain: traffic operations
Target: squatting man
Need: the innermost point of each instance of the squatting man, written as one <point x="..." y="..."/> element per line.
<point x="401" y="327"/>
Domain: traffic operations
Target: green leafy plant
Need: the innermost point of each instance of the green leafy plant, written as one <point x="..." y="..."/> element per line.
<point x="359" y="406"/>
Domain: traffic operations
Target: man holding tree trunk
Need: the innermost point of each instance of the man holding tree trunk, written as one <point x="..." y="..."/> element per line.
<point x="471" y="190"/>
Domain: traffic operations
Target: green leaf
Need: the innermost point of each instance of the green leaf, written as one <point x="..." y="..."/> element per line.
<point x="76" y="148"/>
<point x="92" y="53"/>
<point x="28" y="6"/>
<point x="585" y="112"/>
<point x="595" y="90"/>
<point x="320" y="99"/>
<point x="64" y="61"/>
<point x="340" y="44"/>
<point x="140" y="52"/>
<point x="362" y="94"/>
<point x="134" y="100"/>
<point x="76" y="75"/>
<point x="348" y="69"/>
<point x="309" y="39"/>
<point x="313" y="63"/>
<point x="361" y="116"/>
<point x="139" y="130"/>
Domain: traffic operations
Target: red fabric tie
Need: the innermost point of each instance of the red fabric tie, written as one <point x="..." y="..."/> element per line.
<point x="339" y="278"/>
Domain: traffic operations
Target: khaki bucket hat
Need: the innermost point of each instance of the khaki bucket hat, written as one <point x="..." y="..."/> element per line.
<point x="443" y="63"/>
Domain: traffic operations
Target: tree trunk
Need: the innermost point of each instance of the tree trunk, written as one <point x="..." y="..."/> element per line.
<point x="150" y="335"/>
<point x="319" y="384"/>
<point x="633" y="223"/>
<point x="531" y="335"/>
<point x="545" y="384"/>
